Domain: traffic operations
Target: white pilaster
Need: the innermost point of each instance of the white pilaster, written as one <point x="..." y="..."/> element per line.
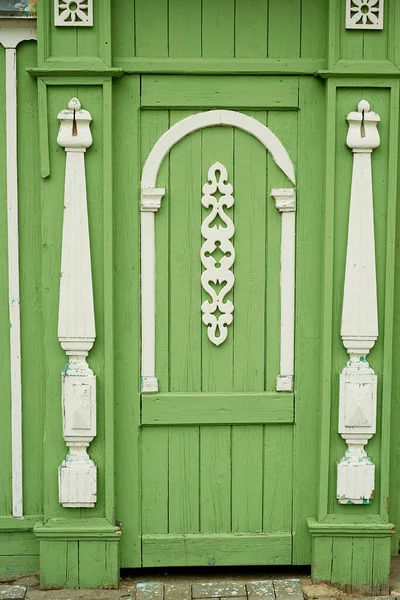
<point x="12" y="32"/>
<point x="358" y="381"/>
<point x="285" y="202"/>
<point x="76" y="327"/>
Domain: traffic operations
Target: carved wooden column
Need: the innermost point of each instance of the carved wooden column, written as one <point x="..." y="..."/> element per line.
<point x="76" y="327"/>
<point x="357" y="401"/>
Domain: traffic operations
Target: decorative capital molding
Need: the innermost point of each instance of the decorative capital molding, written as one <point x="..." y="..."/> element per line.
<point x="73" y="13"/>
<point x="285" y="199"/>
<point x="151" y="199"/>
<point x="363" y="135"/>
<point x="13" y="31"/>
<point x="74" y="134"/>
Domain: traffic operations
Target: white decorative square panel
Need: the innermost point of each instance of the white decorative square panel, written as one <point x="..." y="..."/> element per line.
<point x="364" y="14"/>
<point x="73" y="13"/>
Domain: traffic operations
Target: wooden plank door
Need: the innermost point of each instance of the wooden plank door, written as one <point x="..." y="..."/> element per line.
<point x="217" y="436"/>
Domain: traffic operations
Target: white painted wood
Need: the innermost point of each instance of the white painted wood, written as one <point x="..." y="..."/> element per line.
<point x="217" y="236"/>
<point x="151" y="202"/>
<point x="358" y="381"/>
<point x="11" y="34"/>
<point x="285" y="202"/>
<point x="76" y="326"/>
<point x="214" y="118"/>
<point x="364" y="14"/>
<point x="73" y="13"/>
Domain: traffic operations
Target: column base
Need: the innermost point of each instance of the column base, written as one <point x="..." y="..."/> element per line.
<point x="78" y="553"/>
<point x="353" y="555"/>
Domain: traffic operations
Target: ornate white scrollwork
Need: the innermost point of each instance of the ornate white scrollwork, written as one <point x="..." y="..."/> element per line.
<point x="217" y="270"/>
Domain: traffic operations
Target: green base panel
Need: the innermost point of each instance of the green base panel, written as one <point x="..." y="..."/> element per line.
<point x="79" y="564"/>
<point x="358" y="565"/>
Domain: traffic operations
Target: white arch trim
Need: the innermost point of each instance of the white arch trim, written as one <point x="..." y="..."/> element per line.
<point x="214" y="118"/>
<point x="151" y="201"/>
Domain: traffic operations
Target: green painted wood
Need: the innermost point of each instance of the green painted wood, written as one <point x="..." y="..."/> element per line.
<point x="13" y="567"/>
<point x="155" y="449"/>
<point x="184" y="28"/>
<point x="284" y="28"/>
<point x="92" y="558"/>
<point x="72" y="571"/>
<point x="250" y="294"/>
<point x="314" y="23"/>
<point x="216" y="550"/>
<point x="321" y="567"/>
<point x="342" y="557"/>
<point x="147" y="14"/>
<point x="5" y="404"/>
<point x="215" y="479"/>
<point x="380" y="566"/>
<point x="184" y="322"/>
<point x="190" y="409"/>
<point x="127" y="321"/>
<point x="18" y="543"/>
<point x="278" y="478"/>
<point x="183" y="480"/>
<point x="53" y="563"/>
<point x="361" y="572"/>
<point x="308" y="348"/>
<point x="251" y="38"/>
<point x="247" y="478"/>
<point x="218" y="29"/>
<point x="227" y="92"/>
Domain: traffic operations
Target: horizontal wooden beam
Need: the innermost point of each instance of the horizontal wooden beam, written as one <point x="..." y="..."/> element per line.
<point x="218" y="66"/>
<point x="187" y="91"/>
<point x="227" y="408"/>
<point x="194" y="550"/>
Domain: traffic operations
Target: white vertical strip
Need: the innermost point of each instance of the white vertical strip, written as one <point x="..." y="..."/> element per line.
<point x="285" y="202"/>
<point x="13" y="31"/>
<point x="13" y="279"/>
<point x="150" y="203"/>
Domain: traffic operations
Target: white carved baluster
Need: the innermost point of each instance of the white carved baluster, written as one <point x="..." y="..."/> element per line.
<point x="285" y="202"/>
<point x="358" y="382"/>
<point x="217" y="271"/>
<point x="76" y="327"/>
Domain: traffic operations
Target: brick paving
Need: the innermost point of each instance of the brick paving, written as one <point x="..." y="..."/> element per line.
<point x="284" y="589"/>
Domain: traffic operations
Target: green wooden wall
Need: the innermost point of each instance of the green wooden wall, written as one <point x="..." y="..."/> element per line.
<point x="131" y="72"/>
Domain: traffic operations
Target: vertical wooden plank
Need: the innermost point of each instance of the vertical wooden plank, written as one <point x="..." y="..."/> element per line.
<point x="247" y="478"/>
<point x="111" y="567"/>
<point x="361" y="575"/>
<point x="218" y="29"/>
<point x="284" y="29"/>
<point x="314" y="17"/>
<point x="322" y="558"/>
<point x="380" y="566"/>
<point x="153" y="125"/>
<point x="351" y="40"/>
<point x="53" y="563"/>
<point x="92" y="560"/>
<point x="154" y="479"/>
<point x="215" y="479"/>
<point x="251" y="198"/>
<point x="184" y="262"/>
<point x="309" y="236"/>
<point x="5" y="367"/>
<point x="184" y="28"/>
<point x="278" y="478"/>
<point x="342" y="556"/>
<point x="126" y="319"/>
<point x="151" y="17"/>
<point x="124" y="28"/>
<point x="217" y="362"/>
<point x="251" y="29"/>
<point x="183" y="480"/>
<point x="72" y="567"/>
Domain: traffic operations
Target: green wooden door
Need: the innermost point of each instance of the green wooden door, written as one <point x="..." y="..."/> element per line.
<point x="217" y="438"/>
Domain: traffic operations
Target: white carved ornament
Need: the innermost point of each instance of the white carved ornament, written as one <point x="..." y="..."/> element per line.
<point x="76" y="327"/>
<point x="217" y="238"/>
<point x="358" y="381"/>
<point x="73" y="13"/>
<point x="364" y="14"/>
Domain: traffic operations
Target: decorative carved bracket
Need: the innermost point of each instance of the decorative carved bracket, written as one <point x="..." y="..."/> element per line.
<point x="358" y="381"/>
<point x="76" y="327"/>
